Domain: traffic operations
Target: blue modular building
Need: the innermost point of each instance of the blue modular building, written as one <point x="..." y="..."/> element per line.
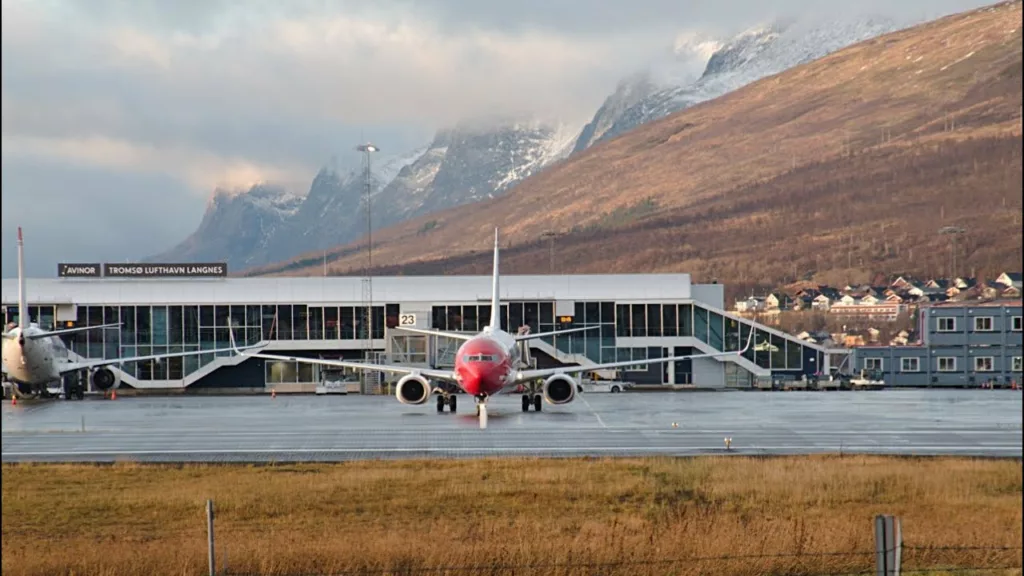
<point x="963" y="344"/>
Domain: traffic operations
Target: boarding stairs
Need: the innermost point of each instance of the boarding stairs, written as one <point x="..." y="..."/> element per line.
<point x="566" y="358"/>
<point x="738" y="359"/>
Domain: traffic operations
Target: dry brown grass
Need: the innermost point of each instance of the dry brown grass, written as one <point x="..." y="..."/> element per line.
<point x="292" y="519"/>
<point x="834" y="170"/>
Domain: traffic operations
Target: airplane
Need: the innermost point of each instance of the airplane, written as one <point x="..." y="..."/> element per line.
<point x="486" y="364"/>
<point x="33" y="357"/>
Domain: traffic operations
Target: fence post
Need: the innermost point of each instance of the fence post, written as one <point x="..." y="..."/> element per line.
<point x="888" y="545"/>
<point x="209" y="536"/>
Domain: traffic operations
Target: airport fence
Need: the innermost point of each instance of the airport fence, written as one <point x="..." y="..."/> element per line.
<point x="886" y="559"/>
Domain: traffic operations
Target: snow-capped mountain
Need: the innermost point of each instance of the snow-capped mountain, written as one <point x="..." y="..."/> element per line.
<point x="474" y="160"/>
<point x="482" y="158"/>
<point x="237" y="227"/>
<point x="754" y="54"/>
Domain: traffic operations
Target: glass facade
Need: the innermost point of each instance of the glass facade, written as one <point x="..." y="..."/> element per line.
<point x="164" y="329"/>
<point x="176" y="328"/>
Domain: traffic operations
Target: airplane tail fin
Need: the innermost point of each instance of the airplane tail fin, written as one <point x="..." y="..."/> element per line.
<point x="23" y="319"/>
<point x="495" y="291"/>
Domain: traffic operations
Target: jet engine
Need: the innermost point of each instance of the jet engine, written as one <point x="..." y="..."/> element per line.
<point x="559" y="389"/>
<point x="413" y="389"/>
<point x="104" y="379"/>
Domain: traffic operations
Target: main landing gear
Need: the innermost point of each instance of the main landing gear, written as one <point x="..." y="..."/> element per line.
<point x="451" y="400"/>
<point x="532" y="396"/>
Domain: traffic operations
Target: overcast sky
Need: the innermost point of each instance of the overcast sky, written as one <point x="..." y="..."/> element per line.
<point x="121" y="116"/>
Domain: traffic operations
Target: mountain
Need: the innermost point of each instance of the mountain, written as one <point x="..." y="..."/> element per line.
<point x="754" y="54"/>
<point x="473" y="160"/>
<point x="837" y="168"/>
<point x="254" y="218"/>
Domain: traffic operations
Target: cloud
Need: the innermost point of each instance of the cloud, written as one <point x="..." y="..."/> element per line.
<point x="196" y="94"/>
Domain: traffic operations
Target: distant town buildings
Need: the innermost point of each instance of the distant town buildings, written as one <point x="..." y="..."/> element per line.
<point x="877" y="304"/>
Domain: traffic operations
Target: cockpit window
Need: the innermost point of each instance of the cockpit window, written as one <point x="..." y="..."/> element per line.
<point x="479" y="358"/>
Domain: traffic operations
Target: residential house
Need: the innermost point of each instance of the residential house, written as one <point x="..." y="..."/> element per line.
<point x="915" y="291"/>
<point x="821" y="303"/>
<point x="750" y="304"/>
<point x="937" y="283"/>
<point x="905" y="283"/>
<point x="901" y="338"/>
<point x="965" y="283"/>
<point x="1011" y="279"/>
<point x="778" y="301"/>
<point x="1011" y="292"/>
<point x="868" y="307"/>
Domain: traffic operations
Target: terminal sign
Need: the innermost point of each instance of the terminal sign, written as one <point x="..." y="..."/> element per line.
<point x="407" y="320"/>
<point x="202" y="270"/>
<point x="65" y="270"/>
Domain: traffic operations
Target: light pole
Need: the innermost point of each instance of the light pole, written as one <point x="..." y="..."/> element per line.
<point x="367" y="149"/>
<point x="953" y="231"/>
<point x="550" y="235"/>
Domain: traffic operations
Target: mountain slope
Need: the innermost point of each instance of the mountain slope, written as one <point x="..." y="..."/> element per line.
<point x="846" y="165"/>
<point x="745" y="58"/>
<point x="471" y="161"/>
<point x="256" y="216"/>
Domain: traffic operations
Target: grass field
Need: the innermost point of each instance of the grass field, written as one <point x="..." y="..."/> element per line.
<point x="766" y="516"/>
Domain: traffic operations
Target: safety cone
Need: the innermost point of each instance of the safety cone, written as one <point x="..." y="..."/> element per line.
<point x="113" y="394"/>
<point x="273" y="393"/>
<point x="14" y="400"/>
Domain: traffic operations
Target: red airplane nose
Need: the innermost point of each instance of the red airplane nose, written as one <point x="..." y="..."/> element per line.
<point x="472" y="378"/>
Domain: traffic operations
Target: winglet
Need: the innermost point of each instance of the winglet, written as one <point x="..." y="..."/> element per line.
<point x="750" y="340"/>
<point x="234" y="345"/>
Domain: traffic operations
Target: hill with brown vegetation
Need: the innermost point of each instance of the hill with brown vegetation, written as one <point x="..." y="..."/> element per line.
<point x="834" y="171"/>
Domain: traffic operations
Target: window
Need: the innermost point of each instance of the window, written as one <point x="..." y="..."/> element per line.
<point x="910" y="364"/>
<point x="1016" y="324"/>
<point x="872" y="363"/>
<point x="1016" y="364"/>
<point x="983" y="324"/>
<point x="983" y="364"/>
<point x="947" y="324"/>
<point x="627" y="354"/>
<point x="947" y="364"/>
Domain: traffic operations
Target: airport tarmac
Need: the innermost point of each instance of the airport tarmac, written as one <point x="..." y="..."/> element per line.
<point x="334" y="428"/>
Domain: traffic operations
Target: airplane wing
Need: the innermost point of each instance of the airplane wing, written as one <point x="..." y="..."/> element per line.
<point x="527" y="375"/>
<point x="10" y="336"/>
<point x="72" y="366"/>
<point x="442" y="333"/>
<point x="392" y="368"/>
<point x="528" y="336"/>
<point x="71" y="331"/>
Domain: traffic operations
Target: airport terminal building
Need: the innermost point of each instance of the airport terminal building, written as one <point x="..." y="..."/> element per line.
<point x="636" y="317"/>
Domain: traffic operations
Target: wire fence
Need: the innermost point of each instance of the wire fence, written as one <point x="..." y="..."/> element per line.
<point x="668" y="564"/>
<point x="886" y="559"/>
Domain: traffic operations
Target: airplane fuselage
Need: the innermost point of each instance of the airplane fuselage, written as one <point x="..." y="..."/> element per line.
<point x="33" y="361"/>
<point x="486" y="363"/>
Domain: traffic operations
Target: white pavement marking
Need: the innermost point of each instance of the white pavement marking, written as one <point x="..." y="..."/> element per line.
<point x="594" y="412"/>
